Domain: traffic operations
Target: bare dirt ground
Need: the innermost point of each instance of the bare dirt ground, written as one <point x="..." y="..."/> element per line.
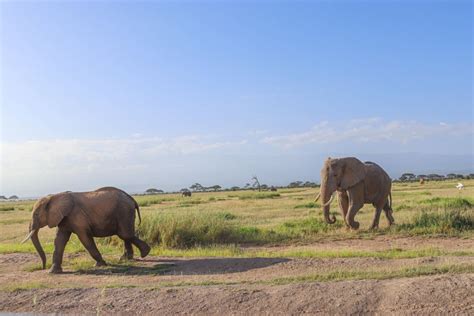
<point x="159" y="285"/>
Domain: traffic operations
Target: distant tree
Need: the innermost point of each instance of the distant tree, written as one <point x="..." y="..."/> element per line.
<point x="197" y="187"/>
<point x="407" y="177"/>
<point x="215" y="187"/>
<point x="153" y="191"/>
<point x="256" y="183"/>
<point x="451" y="176"/>
<point x="264" y="187"/>
<point x="295" y="184"/>
<point x="421" y="176"/>
<point x="235" y="188"/>
<point x="247" y="185"/>
<point x="459" y="176"/>
<point x="434" y="176"/>
<point x="3" y="197"/>
<point x="13" y="197"/>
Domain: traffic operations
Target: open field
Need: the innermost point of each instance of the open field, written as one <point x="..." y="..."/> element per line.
<point x="250" y="252"/>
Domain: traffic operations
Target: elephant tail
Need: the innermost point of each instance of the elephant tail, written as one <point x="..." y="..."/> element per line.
<point x="390" y="201"/>
<point x="138" y="212"/>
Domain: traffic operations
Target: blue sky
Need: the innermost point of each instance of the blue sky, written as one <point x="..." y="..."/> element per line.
<point x="165" y="94"/>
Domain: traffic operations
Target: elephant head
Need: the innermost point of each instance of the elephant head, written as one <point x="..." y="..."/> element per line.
<point x="338" y="174"/>
<point x="50" y="211"/>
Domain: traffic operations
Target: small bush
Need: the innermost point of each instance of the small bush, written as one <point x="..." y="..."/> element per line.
<point x="187" y="229"/>
<point x="226" y="216"/>
<point x="190" y="203"/>
<point x="306" y="227"/>
<point x="212" y="199"/>
<point x="440" y="222"/>
<point x="259" y="195"/>
<point x="307" y="205"/>
<point x="7" y="208"/>
<point x="449" y="202"/>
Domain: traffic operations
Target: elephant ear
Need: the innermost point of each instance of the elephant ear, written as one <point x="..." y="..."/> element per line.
<point x="58" y="206"/>
<point x="353" y="172"/>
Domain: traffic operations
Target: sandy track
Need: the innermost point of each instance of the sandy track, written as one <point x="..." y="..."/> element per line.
<point x="447" y="294"/>
<point x="245" y="285"/>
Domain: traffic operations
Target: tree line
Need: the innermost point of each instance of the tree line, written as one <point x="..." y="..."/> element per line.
<point x="407" y="177"/>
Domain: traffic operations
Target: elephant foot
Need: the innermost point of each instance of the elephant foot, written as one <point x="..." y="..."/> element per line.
<point x="126" y="257"/>
<point x="355" y="225"/>
<point x="144" y="250"/>
<point x="55" y="269"/>
<point x="100" y="264"/>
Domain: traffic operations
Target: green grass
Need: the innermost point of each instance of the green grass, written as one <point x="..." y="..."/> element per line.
<point x="447" y="222"/>
<point x="408" y="272"/>
<point x="259" y="196"/>
<point x="307" y="205"/>
<point x="449" y="202"/>
<point x="7" y="208"/>
<point x="234" y="251"/>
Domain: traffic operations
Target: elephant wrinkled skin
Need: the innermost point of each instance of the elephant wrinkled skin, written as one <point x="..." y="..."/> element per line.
<point x="101" y="213"/>
<point x="356" y="183"/>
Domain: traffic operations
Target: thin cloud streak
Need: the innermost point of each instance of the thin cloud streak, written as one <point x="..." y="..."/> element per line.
<point x="369" y="130"/>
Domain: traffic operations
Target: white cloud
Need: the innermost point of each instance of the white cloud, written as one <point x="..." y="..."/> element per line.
<point x="38" y="163"/>
<point x="369" y="130"/>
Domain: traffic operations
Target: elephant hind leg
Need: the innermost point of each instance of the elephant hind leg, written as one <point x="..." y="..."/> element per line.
<point x="142" y="246"/>
<point x="375" y="222"/>
<point x="388" y="213"/>
<point x="128" y="250"/>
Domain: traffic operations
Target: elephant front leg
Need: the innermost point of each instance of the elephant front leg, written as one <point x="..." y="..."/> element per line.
<point x="356" y="202"/>
<point x="88" y="241"/>
<point x="62" y="237"/>
<point x="343" y="201"/>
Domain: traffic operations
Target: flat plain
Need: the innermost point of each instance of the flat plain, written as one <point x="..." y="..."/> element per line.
<point x="248" y="252"/>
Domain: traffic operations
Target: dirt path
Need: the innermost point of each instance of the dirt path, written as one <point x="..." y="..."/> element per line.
<point x="440" y="295"/>
<point x="244" y="285"/>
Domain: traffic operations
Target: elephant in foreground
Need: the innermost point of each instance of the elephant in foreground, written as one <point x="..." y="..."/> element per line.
<point x="356" y="183"/>
<point x="101" y="213"/>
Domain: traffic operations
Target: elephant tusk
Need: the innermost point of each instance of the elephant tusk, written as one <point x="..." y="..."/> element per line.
<point x="329" y="202"/>
<point x="28" y="237"/>
<point x="317" y="197"/>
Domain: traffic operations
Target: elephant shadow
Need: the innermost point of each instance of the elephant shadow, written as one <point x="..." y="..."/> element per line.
<point x="206" y="266"/>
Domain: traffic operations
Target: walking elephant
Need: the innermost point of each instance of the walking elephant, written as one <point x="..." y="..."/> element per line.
<point x="104" y="212"/>
<point x="186" y="193"/>
<point x="356" y="183"/>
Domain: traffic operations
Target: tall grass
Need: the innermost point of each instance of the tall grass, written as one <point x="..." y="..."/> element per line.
<point x="193" y="229"/>
<point x="446" y="221"/>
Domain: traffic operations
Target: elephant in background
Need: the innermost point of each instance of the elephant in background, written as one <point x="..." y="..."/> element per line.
<point x="356" y="183"/>
<point x="186" y="193"/>
<point x="101" y="213"/>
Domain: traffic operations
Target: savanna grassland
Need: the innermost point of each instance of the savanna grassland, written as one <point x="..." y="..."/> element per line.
<point x="256" y="252"/>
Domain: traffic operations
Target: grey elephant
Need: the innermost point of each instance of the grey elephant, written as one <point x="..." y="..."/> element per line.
<point x="356" y="183"/>
<point x="101" y="213"/>
<point x="186" y="193"/>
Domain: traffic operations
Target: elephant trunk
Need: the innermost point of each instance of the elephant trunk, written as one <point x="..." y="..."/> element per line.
<point x="327" y="199"/>
<point x="39" y="249"/>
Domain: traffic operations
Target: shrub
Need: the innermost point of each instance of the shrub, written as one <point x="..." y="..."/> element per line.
<point x="259" y="195"/>
<point x="307" y="205"/>
<point x="440" y="222"/>
<point x="7" y="208"/>
<point x="189" y="229"/>
<point x="449" y="202"/>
